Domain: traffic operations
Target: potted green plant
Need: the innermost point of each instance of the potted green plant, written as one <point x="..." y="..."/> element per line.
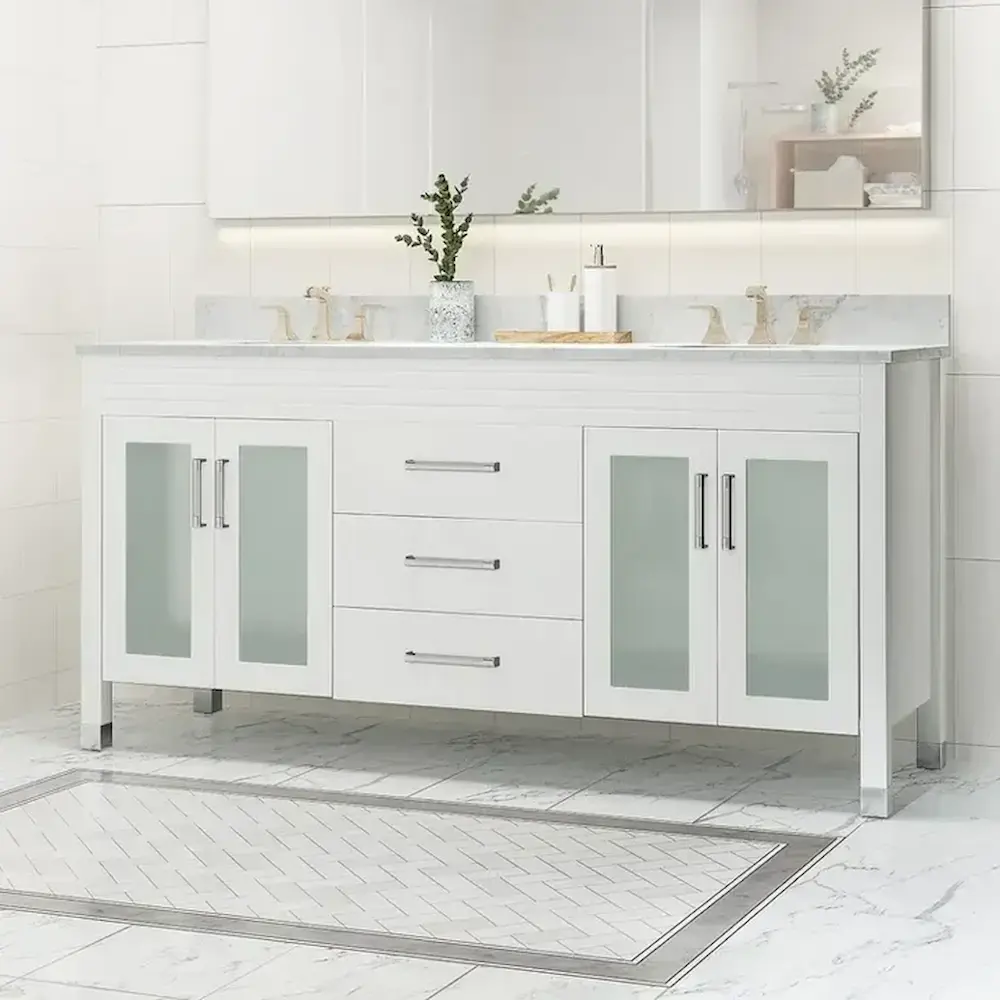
<point x="451" y="309"/>
<point x="825" y="115"/>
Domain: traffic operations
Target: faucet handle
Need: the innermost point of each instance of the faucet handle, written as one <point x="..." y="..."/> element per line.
<point x="756" y="292"/>
<point x="284" y="331"/>
<point x="716" y="332"/>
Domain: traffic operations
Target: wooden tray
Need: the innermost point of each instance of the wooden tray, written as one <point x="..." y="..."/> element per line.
<point x="554" y="337"/>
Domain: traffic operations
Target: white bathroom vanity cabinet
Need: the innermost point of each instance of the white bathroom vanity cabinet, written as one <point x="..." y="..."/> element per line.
<point x="745" y="537"/>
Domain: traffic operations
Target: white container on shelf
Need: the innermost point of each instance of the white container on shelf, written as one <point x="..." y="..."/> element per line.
<point x="840" y="186"/>
<point x="600" y="295"/>
<point x="562" y="312"/>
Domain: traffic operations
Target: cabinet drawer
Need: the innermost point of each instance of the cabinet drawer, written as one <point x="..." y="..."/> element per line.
<point x="458" y="661"/>
<point x="444" y="470"/>
<point x="468" y="567"/>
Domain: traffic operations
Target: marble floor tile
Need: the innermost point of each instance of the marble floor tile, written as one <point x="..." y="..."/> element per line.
<point x="900" y="910"/>
<point x="30" y="941"/>
<point x="800" y="795"/>
<point x="29" y="989"/>
<point x="535" y="773"/>
<point x="318" y="974"/>
<point x="177" y="965"/>
<point x="513" y="984"/>
<point x="675" y="784"/>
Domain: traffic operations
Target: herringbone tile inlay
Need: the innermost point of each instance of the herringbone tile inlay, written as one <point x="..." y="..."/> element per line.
<point x="496" y="881"/>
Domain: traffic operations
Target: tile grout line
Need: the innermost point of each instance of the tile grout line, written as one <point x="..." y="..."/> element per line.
<point x="457" y="979"/>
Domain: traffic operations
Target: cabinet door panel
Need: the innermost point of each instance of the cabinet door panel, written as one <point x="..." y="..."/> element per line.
<point x="273" y="556"/>
<point x="788" y="615"/>
<point x="157" y="551"/>
<point x="650" y="575"/>
<point x="286" y="108"/>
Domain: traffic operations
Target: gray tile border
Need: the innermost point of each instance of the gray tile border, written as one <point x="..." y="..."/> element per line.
<point x="661" y="964"/>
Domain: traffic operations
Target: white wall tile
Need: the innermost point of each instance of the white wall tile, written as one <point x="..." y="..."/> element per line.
<point x="28" y="623"/>
<point x="977" y="80"/>
<point x="811" y="254"/>
<point x="976" y="485"/>
<point x="906" y="253"/>
<point x="714" y="255"/>
<point x="67" y="600"/>
<point x="202" y="264"/>
<point x="25" y="697"/>
<point x="977" y="663"/>
<point x="152" y="125"/>
<point x="151" y="22"/>
<point x="528" y="250"/>
<point x="286" y="258"/>
<point x="27" y="454"/>
<point x="639" y="248"/>
<point x="134" y="299"/>
<point x="976" y="227"/>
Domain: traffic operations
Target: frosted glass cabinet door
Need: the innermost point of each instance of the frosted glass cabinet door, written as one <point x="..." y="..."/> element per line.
<point x="273" y="528"/>
<point x="788" y="610"/>
<point x="157" y="551"/>
<point x="650" y="578"/>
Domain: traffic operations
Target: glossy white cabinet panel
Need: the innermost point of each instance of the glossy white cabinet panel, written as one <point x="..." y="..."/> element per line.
<point x="485" y="471"/>
<point x="529" y="569"/>
<point x="458" y="661"/>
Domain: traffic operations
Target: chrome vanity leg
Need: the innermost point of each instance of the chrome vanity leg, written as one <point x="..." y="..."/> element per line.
<point x="207" y="701"/>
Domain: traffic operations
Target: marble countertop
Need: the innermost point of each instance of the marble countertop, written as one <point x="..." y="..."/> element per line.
<point x="403" y="350"/>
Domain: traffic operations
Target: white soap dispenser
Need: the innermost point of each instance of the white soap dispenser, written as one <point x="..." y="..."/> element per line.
<point x="600" y="295"/>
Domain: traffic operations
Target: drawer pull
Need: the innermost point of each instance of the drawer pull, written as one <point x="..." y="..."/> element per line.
<point x="419" y="465"/>
<point x="446" y="660"/>
<point x="435" y="562"/>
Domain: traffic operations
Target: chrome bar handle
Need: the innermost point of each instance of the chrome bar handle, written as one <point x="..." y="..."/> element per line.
<point x="700" y="542"/>
<point x="220" y="492"/>
<point x="436" y="562"/>
<point x="727" y="512"/>
<point x="420" y="465"/>
<point x="197" y="482"/>
<point x="447" y="660"/>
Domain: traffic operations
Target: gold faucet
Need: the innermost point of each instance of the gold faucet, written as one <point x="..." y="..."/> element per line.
<point x="805" y="330"/>
<point x="716" y="332"/>
<point x="321" y="331"/>
<point x="284" y="331"/>
<point x="763" y="331"/>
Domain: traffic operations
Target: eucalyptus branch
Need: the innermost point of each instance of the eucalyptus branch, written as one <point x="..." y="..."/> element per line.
<point x="529" y="204"/>
<point x="865" y="106"/>
<point x="445" y="199"/>
<point x="834" y="87"/>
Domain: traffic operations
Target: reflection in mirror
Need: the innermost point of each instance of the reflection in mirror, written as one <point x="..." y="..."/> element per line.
<point x="582" y="106"/>
<point x="790" y="104"/>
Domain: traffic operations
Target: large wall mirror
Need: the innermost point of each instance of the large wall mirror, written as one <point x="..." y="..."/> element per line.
<point x="350" y="107"/>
